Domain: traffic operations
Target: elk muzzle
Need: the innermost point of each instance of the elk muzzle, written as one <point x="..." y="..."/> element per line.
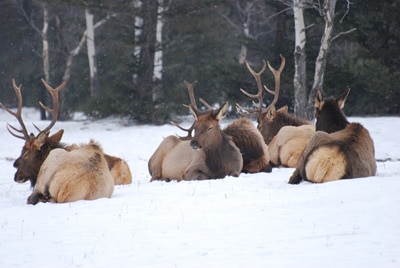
<point x="195" y="144"/>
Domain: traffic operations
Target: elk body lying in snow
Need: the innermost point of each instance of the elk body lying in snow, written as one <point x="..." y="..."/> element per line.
<point x="36" y="149"/>
<point x="270" y="120"/>
<point x="285" y="134"/>
<point x="339" y="149"/>
<point x="60" y="164"/>
<point x="211" y="153"/>
<point x="79" y="174"/>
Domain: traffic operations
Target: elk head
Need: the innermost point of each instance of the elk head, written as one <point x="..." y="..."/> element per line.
<point x="36" y="148"/>
<point x="268" y="119"/>
<point x="328" y="112"/>
<point x="206" y="126"/>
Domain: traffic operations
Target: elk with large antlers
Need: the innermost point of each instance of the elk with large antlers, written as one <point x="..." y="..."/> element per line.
<point x="339" y="149"/>
<point x="37" y="148"/>
<point x="285" y="134"/>
<point x="270" y="120"/>
<point x="211" y="152"/>
<point x="189" y="159"/>
<point x="58" y="173"/>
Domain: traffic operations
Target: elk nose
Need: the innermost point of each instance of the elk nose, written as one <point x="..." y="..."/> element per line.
<point x="194" y="144"/>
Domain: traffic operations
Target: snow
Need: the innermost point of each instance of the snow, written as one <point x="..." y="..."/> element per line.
<point x="255" y="220"/>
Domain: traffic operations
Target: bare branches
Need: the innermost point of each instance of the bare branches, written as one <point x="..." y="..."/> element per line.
<point x="343" y="33"/>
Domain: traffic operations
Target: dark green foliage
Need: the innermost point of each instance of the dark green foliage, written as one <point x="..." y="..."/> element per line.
<point x="201" y="41"/>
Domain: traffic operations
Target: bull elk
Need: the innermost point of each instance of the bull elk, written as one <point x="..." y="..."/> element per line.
<point x="211" y="153"/>
<point x="58" y="174"/>
<point x="285" y="134"/>
<point x="270" y="120"/>
<point x="36" y="149"/>
<point x="339" y="149"/>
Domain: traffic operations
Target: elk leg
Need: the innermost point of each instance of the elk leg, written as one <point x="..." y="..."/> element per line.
<point x="35" y="198"/>
<point x="295" y="178"/>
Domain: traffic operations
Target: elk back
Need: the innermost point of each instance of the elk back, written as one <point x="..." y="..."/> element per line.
<point x="273" y="120"/>
<point x="287" y="146"/>
<point x="174" y="159"/>
<point x="251" y="145"/>
<point x="345" y="154"/>
<point x="119" y="170"/>
<point x="79" y="174"/>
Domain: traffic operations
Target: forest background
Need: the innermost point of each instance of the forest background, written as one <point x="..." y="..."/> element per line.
<point x="130" y="58"/>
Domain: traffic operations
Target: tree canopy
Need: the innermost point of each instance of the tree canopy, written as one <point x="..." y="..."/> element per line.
<point x="145" y="49"/>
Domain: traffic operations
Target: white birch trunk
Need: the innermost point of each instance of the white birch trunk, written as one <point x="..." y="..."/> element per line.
<point x="45" y="51"/>
<point x="77" y="49"/>
<point x="158" y="63"/>
<point x="299" y="79"/>
<point x="246" y="31"/>
<point x="320" y="63"/>
<point x="45" y="57"/>
<point x="91" y="51"/>
<point x="138" y="32"/>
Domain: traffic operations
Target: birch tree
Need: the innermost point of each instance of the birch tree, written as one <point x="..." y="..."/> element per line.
<point x="304" y="99"/>
<point x="299" y="79"/>
<point x="91" y="51"/>
<point x="45" y="49"/>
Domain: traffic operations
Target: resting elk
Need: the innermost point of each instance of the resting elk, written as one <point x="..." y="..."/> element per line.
<point x="44" y="143"/>
<point x="339" y="149"/>
<point x="211" y="153"/>
<point x="59" y="174"/>
<point x="285" y="134"/>
<point x="270" y="120"/>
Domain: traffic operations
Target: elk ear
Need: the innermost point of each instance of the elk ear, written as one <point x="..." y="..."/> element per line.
<point x="270" y="114"/>
<point x="56" y="137"/>
<point x="222" y="111"/>
<point x="319" y="99"/>
<point x="283" y="110"/>
<point x="40" y="140"/>
<point x="342" y="99"/>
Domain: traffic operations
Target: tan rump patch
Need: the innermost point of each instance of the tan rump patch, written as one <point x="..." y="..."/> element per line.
<point x="325" y="164"/>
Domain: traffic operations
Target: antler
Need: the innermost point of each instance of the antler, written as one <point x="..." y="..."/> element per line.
<point x="277" y="76"/>
<point x="257" y="76"/>
<point x="193" y="103"/>
<point x="193" y="106"/>
<point x="17" y="115"/>
<point x="54" y="112"/>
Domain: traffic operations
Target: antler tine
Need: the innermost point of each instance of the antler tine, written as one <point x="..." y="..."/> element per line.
<point x="190" y="87"/>
<point x="208" y="106"/>
<point x="54" y="112"/>
<point x="188" y="130"/>
<point x="258" y="96"/>
<point x="17" y="115"/>
<point x="277" y="76"/>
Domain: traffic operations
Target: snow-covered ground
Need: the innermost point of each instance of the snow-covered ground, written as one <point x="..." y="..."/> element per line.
<point x="255" y="220"/>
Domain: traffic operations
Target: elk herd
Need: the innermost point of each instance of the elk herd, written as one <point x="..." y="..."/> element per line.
<point x="331" y="149"/>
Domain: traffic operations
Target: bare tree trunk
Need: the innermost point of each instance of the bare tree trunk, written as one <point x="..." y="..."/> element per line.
<point x="45" y="58"/>
<point x="145" y="79"/>
<point x="299" y="80"/>
<point x="320" y="63"/>
<point x="158" y="55"/>
<point x="91" y="50"/>
<point x="73" y="53"/>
